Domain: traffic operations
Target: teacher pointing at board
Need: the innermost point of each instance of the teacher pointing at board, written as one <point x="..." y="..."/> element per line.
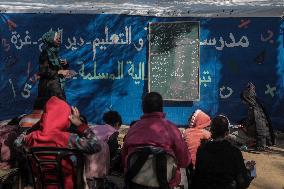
<point x="52" y="70"/>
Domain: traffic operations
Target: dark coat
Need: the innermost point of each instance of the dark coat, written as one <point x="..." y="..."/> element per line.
<point x="220" y="165"/>
<point x="49" y="83"/>
<point x="257" y="123"/>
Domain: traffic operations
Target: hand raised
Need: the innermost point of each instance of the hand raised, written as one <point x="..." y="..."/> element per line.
<point x="75" y="117"/>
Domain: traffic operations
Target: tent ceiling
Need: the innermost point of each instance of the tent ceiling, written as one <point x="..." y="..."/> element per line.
<point x="200" y="8"/>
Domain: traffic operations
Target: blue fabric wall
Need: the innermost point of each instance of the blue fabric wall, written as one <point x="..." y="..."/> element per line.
<point x="233" y="51"/>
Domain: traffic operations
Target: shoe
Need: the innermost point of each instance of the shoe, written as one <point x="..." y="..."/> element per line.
<point x="260" y="148"/>
<point x="244" y="148"/>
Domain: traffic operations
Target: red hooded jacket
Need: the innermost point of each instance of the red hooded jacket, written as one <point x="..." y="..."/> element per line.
<point x="53" y="132"/>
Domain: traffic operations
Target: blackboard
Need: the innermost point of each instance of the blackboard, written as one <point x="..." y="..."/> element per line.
<point x="174" y="60"/>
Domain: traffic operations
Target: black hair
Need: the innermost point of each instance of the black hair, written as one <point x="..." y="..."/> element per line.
<point x="39" y="103"/>
<point x="152" y="102"/>
<point x="112" y="117"/>
<point x="219" y="126"/>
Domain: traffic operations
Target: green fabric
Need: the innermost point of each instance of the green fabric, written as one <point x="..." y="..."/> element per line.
<point x="52" y="51"/>
<point x="51" y="48"/>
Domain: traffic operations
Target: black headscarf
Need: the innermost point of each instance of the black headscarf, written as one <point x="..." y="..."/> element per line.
<point x="249" y="95"/>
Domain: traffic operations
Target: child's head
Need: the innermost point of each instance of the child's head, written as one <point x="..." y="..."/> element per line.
<point x="220" y="126"/>
<point x="112" y="118"/>
<point x="199" y="119"/>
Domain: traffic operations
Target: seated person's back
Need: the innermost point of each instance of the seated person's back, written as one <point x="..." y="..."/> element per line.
<point x="219" y="164"/>
<point x="53" y="133"/>
<point x="153" y="129"/>
<point x="113" y="122"/>
<point x="107" y="134"/>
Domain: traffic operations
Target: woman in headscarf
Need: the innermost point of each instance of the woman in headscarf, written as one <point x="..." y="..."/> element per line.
<point x="257" y="123"/>
<point x="53" y="132"/>
<point x="52" y="70"/>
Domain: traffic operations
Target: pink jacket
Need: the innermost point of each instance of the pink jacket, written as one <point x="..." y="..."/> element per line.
<point x="98" y="164"/>
<point x="196" y="132"/>
<point x="153" y="129"/>
<point x="103" y="132"/>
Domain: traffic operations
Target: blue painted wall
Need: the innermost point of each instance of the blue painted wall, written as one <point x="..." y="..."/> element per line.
<point x="233" y="51"/>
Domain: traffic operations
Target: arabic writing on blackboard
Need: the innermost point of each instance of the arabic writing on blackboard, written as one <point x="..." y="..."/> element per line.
<point x="174" y="60"/>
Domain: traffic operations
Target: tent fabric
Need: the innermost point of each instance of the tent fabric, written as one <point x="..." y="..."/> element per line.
<point x="163" y="8"/>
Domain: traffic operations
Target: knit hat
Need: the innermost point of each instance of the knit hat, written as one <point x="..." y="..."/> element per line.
<point x="199" y="120"/>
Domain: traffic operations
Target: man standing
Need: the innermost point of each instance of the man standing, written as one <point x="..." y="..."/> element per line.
<point x="154" y="130"/>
